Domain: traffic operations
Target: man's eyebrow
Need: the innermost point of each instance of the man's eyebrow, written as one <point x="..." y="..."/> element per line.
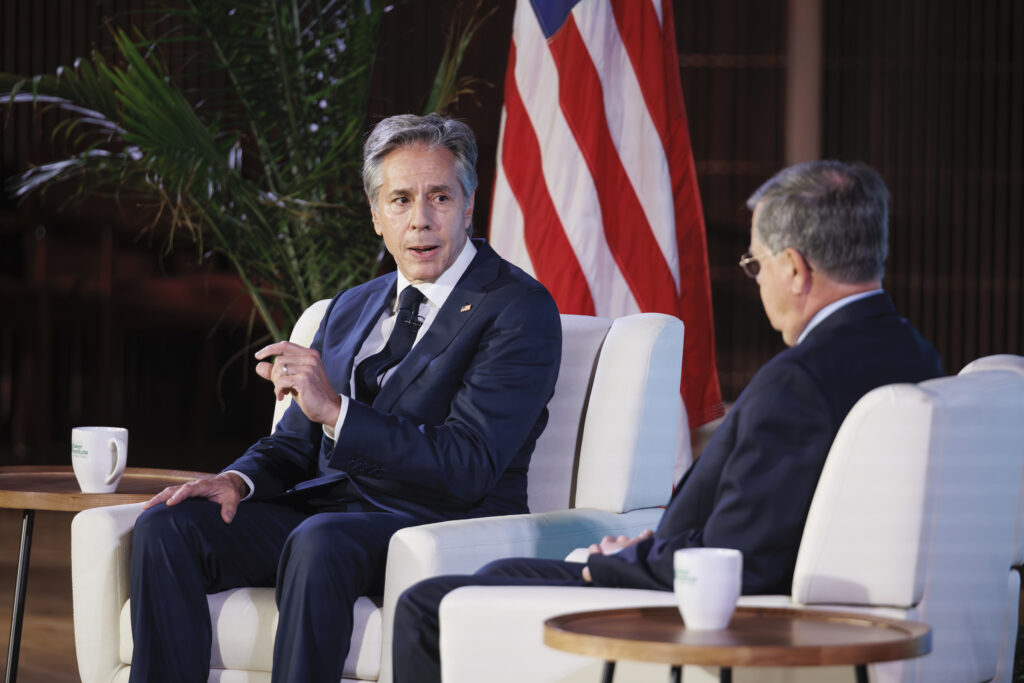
<point x="402" y="191"/>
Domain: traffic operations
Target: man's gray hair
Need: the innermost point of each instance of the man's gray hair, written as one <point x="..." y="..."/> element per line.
<point x="432" y="130"/>
<point x="835" y="214"/>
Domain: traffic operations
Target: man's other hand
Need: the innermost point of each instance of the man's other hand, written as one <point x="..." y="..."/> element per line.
<point x="298" y="371"/>
<point x="226" y="488"/>
<point x="610" y="545"/>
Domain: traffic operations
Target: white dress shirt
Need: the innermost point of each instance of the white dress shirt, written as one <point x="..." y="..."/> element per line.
<point x="435" y="294"/>
<point x="826" y="311"/>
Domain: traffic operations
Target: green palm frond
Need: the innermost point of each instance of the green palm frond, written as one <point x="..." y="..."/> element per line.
<point x="447" y="87"/>
<point x="263" y="167"/>
<point x="254" y="152"/>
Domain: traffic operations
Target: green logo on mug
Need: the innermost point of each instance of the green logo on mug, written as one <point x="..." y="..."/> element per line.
<point x="685" y="576"/>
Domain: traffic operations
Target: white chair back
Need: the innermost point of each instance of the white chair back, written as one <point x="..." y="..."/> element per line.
<point x="1004" y="670"/>
<point x="917" y="509"/>
<point x="613" y="419"/>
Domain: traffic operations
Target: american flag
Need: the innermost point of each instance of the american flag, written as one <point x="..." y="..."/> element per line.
<point x="595" y="192"/>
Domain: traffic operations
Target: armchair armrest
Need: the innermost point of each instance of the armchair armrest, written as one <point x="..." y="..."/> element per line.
<point x="100" y="565"/>
<point x="495" y="633"/>
<point x="463" y="546"/>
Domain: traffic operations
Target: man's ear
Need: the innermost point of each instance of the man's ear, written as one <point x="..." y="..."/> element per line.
<point x="468" y="214"/>
<point x="798" y="271"/>
<point x="376" y="223"/>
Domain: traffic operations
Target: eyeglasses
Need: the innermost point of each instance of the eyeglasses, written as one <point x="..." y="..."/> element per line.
<point x="750" y="264"/>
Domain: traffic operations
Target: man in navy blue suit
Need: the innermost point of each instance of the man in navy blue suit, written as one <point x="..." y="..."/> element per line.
<point x="420" y="400"/>
<point x="818" y="242"/>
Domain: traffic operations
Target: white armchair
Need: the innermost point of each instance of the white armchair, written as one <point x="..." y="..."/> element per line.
<point x="603" y="465"/>
<point x="917" y="515"/>
<point x="1008" y="641"/>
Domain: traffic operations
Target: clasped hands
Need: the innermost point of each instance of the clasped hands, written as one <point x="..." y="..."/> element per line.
<point x="609" y="545"/>
<point x="294" y="370"/>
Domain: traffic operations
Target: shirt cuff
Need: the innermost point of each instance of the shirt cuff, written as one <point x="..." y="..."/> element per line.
<point x="332" y="432"/>
<point x="246" y="479"/>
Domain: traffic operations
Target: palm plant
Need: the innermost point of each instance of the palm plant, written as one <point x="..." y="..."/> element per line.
<point x="263" y="166"/>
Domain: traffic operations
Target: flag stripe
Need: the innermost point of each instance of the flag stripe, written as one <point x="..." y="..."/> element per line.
<point x="573" y="194"/>
<point x="702" y="390"/>
<point x="637" y="141"/>
<point x="638" y="30"/>
<point x="625" y="228"/>
<point x="510" y="241"/>
<point x="550" y="252"/>
<point x="662" y="95"/>
<point x="595" y="190"/>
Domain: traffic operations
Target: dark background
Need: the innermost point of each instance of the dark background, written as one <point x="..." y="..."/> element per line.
<point x="97" y="328"/>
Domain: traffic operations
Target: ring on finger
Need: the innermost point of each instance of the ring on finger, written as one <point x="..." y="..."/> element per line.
<point x="285" y="366"/>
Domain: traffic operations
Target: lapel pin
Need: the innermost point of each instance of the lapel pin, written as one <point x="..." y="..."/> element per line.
<point x="465" y="308"/>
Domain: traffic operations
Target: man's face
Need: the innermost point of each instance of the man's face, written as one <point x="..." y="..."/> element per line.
<point x="421" y="212"/>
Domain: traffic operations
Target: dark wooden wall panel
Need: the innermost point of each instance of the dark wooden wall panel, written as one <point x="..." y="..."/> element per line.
<point x="732" y="62"/>
<point x="98" y="328"/>
<point x="929" y="92"/>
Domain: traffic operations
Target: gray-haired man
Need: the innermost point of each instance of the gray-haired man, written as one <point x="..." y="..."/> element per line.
<point x="420" y="400"/>
<point x="818" y="243"/>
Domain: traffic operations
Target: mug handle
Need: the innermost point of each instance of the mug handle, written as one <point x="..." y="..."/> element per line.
<point x="116" y="447"/>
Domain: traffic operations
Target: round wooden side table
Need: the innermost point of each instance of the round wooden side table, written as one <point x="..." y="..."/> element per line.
<point x="29" y="488"/>
<point x="756" y="636"/>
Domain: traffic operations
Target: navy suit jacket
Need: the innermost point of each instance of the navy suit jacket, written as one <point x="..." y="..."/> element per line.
<point x="451" y="432"/>
<point x="752" y="486"/>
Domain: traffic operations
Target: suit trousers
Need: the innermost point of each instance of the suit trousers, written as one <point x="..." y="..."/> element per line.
<point x="416" y="650"/>
<point x="319" y="562"/>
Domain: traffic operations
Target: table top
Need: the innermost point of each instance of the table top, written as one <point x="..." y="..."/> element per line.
<point x="55" y="488"/>
<point x="756" y="636"/>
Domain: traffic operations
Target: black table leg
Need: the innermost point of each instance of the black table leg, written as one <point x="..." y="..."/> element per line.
<point x="676" y="674"/>
<point x="725" y="675"/>
<point x="862" y="673"/>
<point x="18" y="613"/>
<point x="609" y="672"/>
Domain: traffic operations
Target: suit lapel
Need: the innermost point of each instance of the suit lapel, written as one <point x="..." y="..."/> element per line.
<point x="459" y="308"/>
<point x="372" y="309"/>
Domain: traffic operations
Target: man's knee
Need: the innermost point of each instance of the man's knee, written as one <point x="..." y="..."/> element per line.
<point x="340" y="540"/>
<point x="314" y="541"/>
<point x="319" y="549"/>
<point x="503" y="567"/>
<point x="161" y="525"/>
<point x="425" y="596"/>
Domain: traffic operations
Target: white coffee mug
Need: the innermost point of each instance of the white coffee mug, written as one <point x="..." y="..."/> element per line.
<point x="707" y="585"/>
<point x="99" y="456"/>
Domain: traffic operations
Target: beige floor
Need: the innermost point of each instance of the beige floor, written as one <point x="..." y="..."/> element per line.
<point x="48" y="643"/>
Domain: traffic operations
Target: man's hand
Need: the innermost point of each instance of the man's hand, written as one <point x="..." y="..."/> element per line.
<point x="226" y="488"/>
<point x="613" y="544"/>
<point x="298" y="371"/>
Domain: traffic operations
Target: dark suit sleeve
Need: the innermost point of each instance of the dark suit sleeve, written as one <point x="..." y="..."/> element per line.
<point x="282" y="459"/>
<point x="493" y="414"/>
<point x="761" y="487"/>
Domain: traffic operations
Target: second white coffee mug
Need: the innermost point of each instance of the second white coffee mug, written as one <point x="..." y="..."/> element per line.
<point x="98" y="457"/>
<point x="707" y="585"/>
